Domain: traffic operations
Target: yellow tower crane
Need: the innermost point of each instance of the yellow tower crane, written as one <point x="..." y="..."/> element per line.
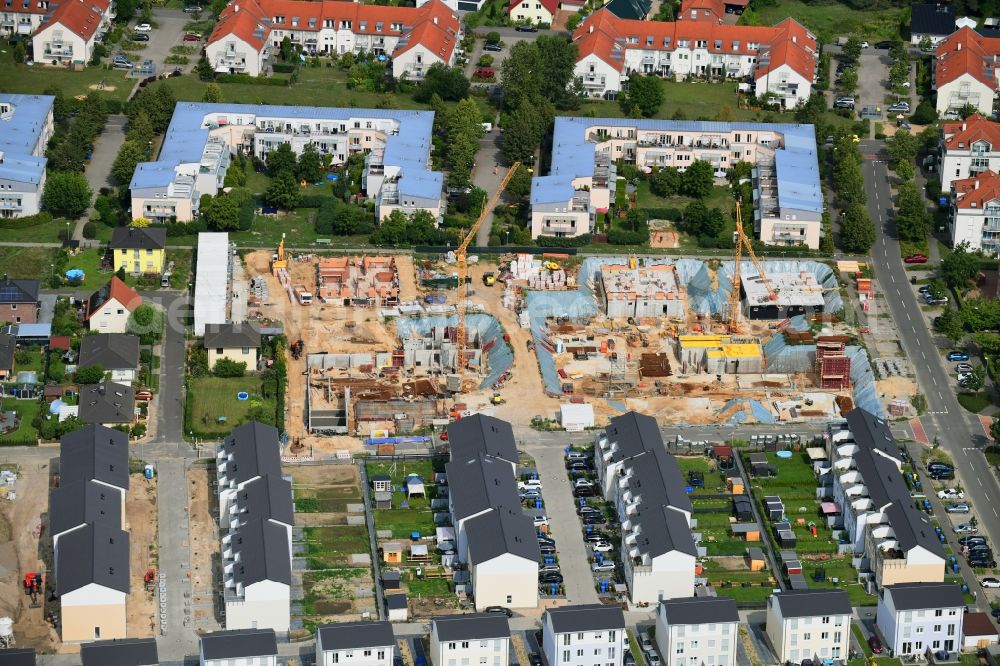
<point x="463" y="266"/>
<point x="742" y="241"/>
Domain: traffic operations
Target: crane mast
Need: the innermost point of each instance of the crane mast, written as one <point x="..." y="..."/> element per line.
<point x="742" y="241"/>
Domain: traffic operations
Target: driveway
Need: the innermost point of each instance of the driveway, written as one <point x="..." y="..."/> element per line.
<point x="98" y="170"/>
<point x="873" y="79"/>
<point x="564" y="525"/>
<point x="487" y="175"/>
<point x="168" y="33"/>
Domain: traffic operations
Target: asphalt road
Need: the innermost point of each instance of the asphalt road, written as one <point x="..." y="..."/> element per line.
<point x="960" y="433"/>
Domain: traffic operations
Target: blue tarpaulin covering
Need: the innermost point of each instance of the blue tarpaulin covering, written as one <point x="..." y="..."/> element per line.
<point x="500" y="355"/>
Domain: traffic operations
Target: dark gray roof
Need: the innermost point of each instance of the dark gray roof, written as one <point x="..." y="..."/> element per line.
<point x="232" y="336"/>
<point x="663" y="530"/>
<point x="873" y="432"/>
<point x="266" y="498"/>
<point x="107" y="403"/>
<point x="95" y="553"/>
<point x="586" y="617"/>
<point x="356" y="635"/>
<point x="17" y="657"/>
<point x="139" y="238"/>
<point x="812" y="603"/>
<point x="18" y="291"/>
<point x="111" y="351"/>
<point x="8" y="345"/>
<point x="473" y="626"/>
<point x="932" y="19"/>
<point x="921" y="596"/>
<point x="913" y="528"/>
<point x="77" y="502"/>
<point x="701" y="610"/>
<point x="478" y="435"/>
<point x="499" y="532"/>
<point x="395" y="601"/>
<point x="264" y="554"/>
<point x="124" y="652"/>
<point x="635" y="10"/>
<point x="634" y="433"/>
<point x="94" y="453"/>
<point x="255" y="450"/>
<point x="657" y="478"/>
<point x="480" y="484"/>
<point x="239" y="644"/>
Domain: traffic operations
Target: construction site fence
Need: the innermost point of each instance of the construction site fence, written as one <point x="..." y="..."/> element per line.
<point x="497" y="249"/>
<point x="499" y="353"/>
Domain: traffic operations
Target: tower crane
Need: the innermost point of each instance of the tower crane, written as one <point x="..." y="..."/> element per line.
<point x="742" y="241"/>
<point x="463" y="266"/>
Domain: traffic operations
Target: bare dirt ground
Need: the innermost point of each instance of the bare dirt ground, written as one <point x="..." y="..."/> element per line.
<point x="896" y="387"/>
<point x="24" y="545"/>
<point x="141" y="523"/>
<point x="662" y="234"/>
<point x="204" y="544"/>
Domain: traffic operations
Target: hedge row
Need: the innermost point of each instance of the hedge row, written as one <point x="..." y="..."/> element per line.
<point x="27" y="221"/>
<point x="251" y="80"/>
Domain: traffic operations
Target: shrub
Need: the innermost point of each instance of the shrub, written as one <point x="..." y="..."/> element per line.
<point x="224" y="367"/>
<point x="27" y="221"/>
<point x="547" y="241"/>
<point x="90" y="230"/>
<point x="90" y="374"/>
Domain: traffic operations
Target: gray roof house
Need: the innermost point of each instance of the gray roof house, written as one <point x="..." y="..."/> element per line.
<point x="479" y="434"/>
<point x="77" y="503"/>
<point x="586" y="617"/>
<point x="266" y="498"/>
<point x="932" y="20"/>
<point x="812" y="603"/>
<point x="219" y="647"/>
<point x="107" y="402"/>
<point x="94" y="554"/>
<point x="8" y="345"/>
<point x="470" y="627"/>
<point x="251" y="450"/>
<point x="138" y="238"/>
<point x="18" y="292"/>
<point x="111" y="351"/>
<point x="94" y="453"/>
<point x="923" y="596"/>
<point x="262" y="546"/>
<point x="347" y="636"/>
<point x="122" y="652"/>
<point x="232" y="336"/>
<point x="500" y="532"/>
<point x="700" y="610"/>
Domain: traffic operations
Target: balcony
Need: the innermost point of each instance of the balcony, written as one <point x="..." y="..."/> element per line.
<point x="10" y="205"/>
<point x="591" y="81"/>
<point x="58" y="51"/>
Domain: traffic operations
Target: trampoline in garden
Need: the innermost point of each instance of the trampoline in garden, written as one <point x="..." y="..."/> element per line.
<point x="242" y="395"/>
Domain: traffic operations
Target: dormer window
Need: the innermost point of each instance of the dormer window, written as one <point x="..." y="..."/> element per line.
<point x="378" y="26"/>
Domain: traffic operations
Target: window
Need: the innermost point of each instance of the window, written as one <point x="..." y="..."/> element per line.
<point x="826" y="619"/>
<point x="510" y="598"/>
<point x="937" y="628"/>
<point x="825" y="635"/>
<point x="368" y="653"/>
<point x="680" y="647"/>
<point x="465" y="645"/>
<point x="381" y="654"/>
<point x="806" y="636"/>
<point x="484" y="644"/>
<point x="336" y="658"/>
<point x="951" y="630"/>
<point x="579" y="636"/>
<point x="579" y="652"/>
<point x="565" y="655"/>
<point x="920" y="630"/>
<point x="566" y="639"/>
<point x="451" y="646"/>
<point x="612" y="636"/>
<point x="938" y="612"/>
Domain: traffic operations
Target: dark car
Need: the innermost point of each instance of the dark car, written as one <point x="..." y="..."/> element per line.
<point x="535" y="659"/>
<point x="550" y="578"/>
<point x="875" y="644"/>
<point x="883" y="46"/>
<point x="192" y="37"/>
<point x="526" y="28"/>
<point x="972" y="540"/>
<point x="583" y="491"/>
<point x="585" y="509"/>
<point x="583" y="465"/>
<point x="595" y="537"/>
<point x="592" y="519"/>
<point x="546" y="549"/>
<point x="546" y="541"/>
<point x="500" y="609"/>
<point x="140" y="37"/>
<point x="496" y="48"/>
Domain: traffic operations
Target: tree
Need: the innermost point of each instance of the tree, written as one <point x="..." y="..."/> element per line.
<point x="912" y="219"/>
<point x="66" y="194"/>
<point x="20" y="52"/>
<point x="283" y="191"/>
<point x="851" y="51"/>
<point x="905" y="170"/>
<point x="310" y="166"/>
<point x="967" y="110"/>
<point x="449" y="83"/>
<point x="539" y="71"/>
<point x="286" y="49"/>
<point x="60" y="107"/>
<point x="665" y="182"/>
<point x="493" y="37"/>
<point x="220" y="213"/>
<point x="281" y="160"/>
<point x="90" y="374"/>
<point x="574" y="19"/>
<point x="949" y="324"/>
<point x="848" y="82"/>
<point x="981" y="314"/>
<point x="519" y="186"/>
<point x="924" y="114"/>
<point x="698" y="179"/>
<point x="522" y="133"/>
<point x="146" y="322"/>
<point x="902" y="146"/>
<point x="857" y="234"/>
<point x="960" y="267"/>
<point x="644" y="96"/>
<point x="976" y="379"/>
<point x="140" y="130"/>
<point x="995" y="430"/>
<point x="129" y="155"/>
<point x="213" y="93"/>
<point x="225" y="367"/>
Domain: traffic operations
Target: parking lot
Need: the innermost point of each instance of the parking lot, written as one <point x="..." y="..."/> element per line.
<point x="167" y="32"/>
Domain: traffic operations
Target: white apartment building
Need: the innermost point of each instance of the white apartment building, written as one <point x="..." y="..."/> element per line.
<point x="703" y="631"/>
<point x="781" y="60"/>
<point x="893" y="542"/>
<point x="247" y="647"/>
<point x="69" y="33"/>
<point x="464" y="640"/>
<point x="974" y="216"/>
<point x="202" y="138"/>
<point x="581" y="182"/>
<point x="809" y="624"/>
<point x="355" y="644"/>
<point x="586" y="635"/>
<point x="965" y="72"/>
<point x="968" y="148"/>
<point x="26" y="125"/>
<point x="917" y="618"/>
<point x="645" y="484"/>
<point x="413" y="39"/>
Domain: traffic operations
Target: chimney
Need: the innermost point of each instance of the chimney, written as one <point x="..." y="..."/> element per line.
<point x="236" y="7"/>
<point x="977" y="183"/>
<point x="960" y="46"/>
<point x="965" y="125"/>
<point x="435" y="20"/>
<point x="591" y="28"/>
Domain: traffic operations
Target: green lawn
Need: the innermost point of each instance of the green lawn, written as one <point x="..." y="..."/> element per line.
<point x="428" y="587"/>
<point x="325" y="499"/>
<point x="27" y="410"/>
<point x="212" y="397"/>
<point x="974" y="402"/>
<point x="35" y="79"/>
<point x="328" y="547"/>
<point x="89" y="261"/>
<point x="834" y="18"/>
<point x="417" y="516"/>
<point x="267" y="231"/>
<point x="633" y="644"/>
<point x="38" y="233"/>
<point x="28" y="262"/>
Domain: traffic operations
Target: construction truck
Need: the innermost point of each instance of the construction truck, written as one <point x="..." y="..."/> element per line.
<point x="278" y="259"/>
<point x="33" y="587"/>
<point x="489" y="279"/>
<point x="497" y="399"/>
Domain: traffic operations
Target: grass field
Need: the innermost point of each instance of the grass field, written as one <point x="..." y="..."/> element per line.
<point x="212" y="397"/>
<point x="834" y="18"/>
<point x="35" y="79"/>
<point x="416" y="516"/>
<point x="39" y="233"/>
<point x="974" y="402"/>
<point x="325" y="499"/>
<point x="27" y="410"/>
<point x="27" y="262"/>
<point x="89" y="261"/>
<point x="328" y="547"/>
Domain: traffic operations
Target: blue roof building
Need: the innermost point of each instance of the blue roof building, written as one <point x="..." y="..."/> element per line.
<point x="25" y="128"/>
<point x="202" y="137"/>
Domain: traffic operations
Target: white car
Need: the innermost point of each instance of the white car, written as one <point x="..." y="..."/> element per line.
<point x="964" y="528"/>
<point x="951" y="494"/>
<point x="864" y="45"/>
<point x="653" y="659"/>
<point x="990" y="582"/>
<point x="143" y="27"/>
<point x="530" y="484"/>
<point x="645" y="642"/>
<point x="541" y="520"/>
<point x="602" y="547"/>
<point x="602" y="567"/>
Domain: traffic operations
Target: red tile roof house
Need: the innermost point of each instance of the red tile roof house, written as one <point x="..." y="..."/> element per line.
<point x="109" y="307"/>
<point x="534" y="11"/>
<point x="965" y="70"/>
<point x="18" y="301"/>
<point x="975" y="212"/>
<point x="249" y="31"/>
<point x="68" y="35"/>
<point x="781" y="59"/>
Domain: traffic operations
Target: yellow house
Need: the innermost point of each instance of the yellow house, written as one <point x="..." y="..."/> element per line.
<point x="239" y="343"/>
<point x="139" y="250"/>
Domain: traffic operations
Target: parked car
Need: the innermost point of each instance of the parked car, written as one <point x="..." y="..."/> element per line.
<point x="534" y="659"/>
<point x="578" y="455"/>
<point x="550" y="578"/>
<point x="586" y="508"/>
<point x="899" y="107"/>
<point x="951" y="494"/>
<point x="545" y="541"/>
<point x="583" y="491"/>
<point x="192" y="9"/>
<point x="984" y="563"/>
<point x="143" y="27"/>
<point x="592" y="519"/>
<point x="500" y="609"/>
<point x="583" y="483"/>
<point x="602" y="547"/>
<point x="540" y="520"/>
<point x="546" y="549"/>
<point x="192" y="37"/>
<point x="961" y="507"/>
<point x="958" y="356"/>
<point x="884" y="45"/>
<point x="495" y="48"/>
<point x="602" y="567"/>
<point x="484" y="73"/>
<point x="594" y="537"/>
<point x="140" y="37"/>
<point x="653" y="659"/>
<point x="916" y="259"/>
<point x="526" y="28"/>
<point x="629" y="659"/>
<point x="990" y="581"/>
<point x="533" y="484"/>
<point x="844" y="103"/>
<point x="964" y="367"/>
<point x="865" y="45"/>
<point x="645" y="641"/>
<point x="549" y="568"/>
<point x="583" y="465"/>
<point x="964" y="528"/>
<point x="931" y="300"/>
<point x="530" y="494"/>
<point x="972" y="540"/>
<point x="875" y="644"/>
<point x="122" y="63"/>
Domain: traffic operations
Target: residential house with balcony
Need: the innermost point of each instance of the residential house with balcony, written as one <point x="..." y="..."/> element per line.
<point x="202" y="138"/>
<point x="809" y="624"/>
<point x="355" y="644"/>
<point x="477" y="638"/>
<point x="644" y="482"/>
<point x="964" y="71"/>
<point x="788" y="200"/>
<point x="920" y="618"/>
<point x="781" y="60"/>
<point x="968" y="148"/>
<point x="139" y="250"/>
<point x="69" y="32"/>
<point x="26" y="125"/>
<point x="20" y="18"/>
<point x="892" y="541"/>
<point x="413" y="38"/>
<point x="974" y="216"/>
<point x="699" y="630"/>
<point x="585" y="635"/>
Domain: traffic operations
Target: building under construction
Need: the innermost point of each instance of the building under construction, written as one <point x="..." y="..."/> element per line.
<point x="651" y="291"/>
<point x="365" y="282"/>
<point x="720" y="354"/>
<point x="833" y="365"/>
<point x="790" y="294"/>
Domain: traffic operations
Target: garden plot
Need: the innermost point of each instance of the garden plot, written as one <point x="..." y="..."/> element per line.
<point x="331" y="545"/>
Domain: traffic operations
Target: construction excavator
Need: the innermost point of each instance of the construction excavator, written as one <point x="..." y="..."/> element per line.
<point x="463" y="266"/>
<point x="735" y="297"/>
